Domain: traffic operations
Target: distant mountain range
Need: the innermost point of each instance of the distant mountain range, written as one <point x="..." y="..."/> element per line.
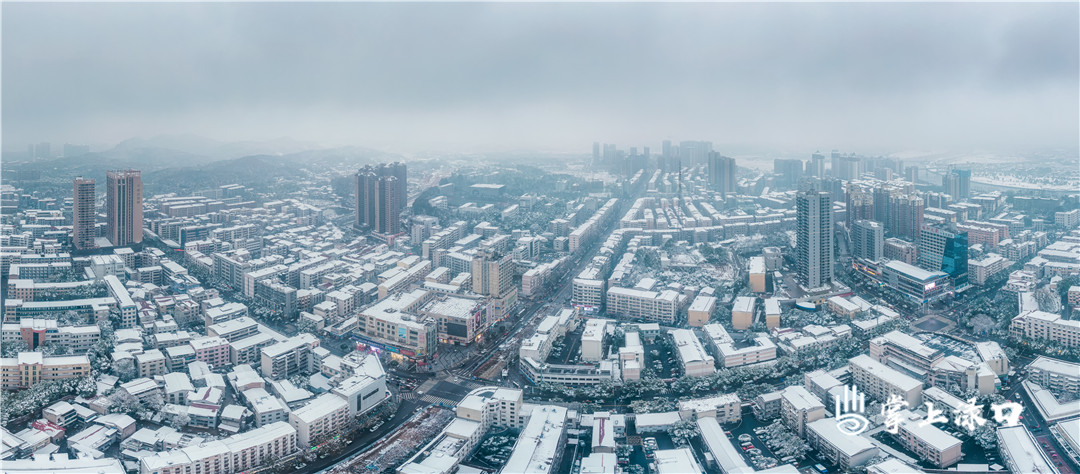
<point x="186" y="162"/>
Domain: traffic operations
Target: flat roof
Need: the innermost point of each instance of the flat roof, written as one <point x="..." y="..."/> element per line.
<point x="676" y="461"/>
<point x="910" y="343"/>
<point x="929" y="434"/>
<point x="538" y="442"/>
<point x="913" y="271"/>
<point x="689" y="346"/>
<point x="849" y="445"/>
<point x="1020" y="449"/>
<point x="1056" y="366"/>
<point x="321" y="406"/>
<point x="801" y="398"/>
<point x="889" y="375"/>
<point x="727" y="457"/>
<point x="744" y="304"/>
<point x="703" y="303"/>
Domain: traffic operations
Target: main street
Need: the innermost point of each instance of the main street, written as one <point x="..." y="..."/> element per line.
<point x="446" y="386"/>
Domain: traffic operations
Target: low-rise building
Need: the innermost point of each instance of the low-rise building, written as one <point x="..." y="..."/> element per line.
<point x="1021" y="453"/>
<point x="324" y="416"/>
<point x="237" y="453"/>
<point x="928" y="442"/>
<point x="878" y="381"/>
<point x="742" y="312"/>
<point x="29" y="368"/>
<point x="837" y="447"/>
<point x="798" y="407"/>
<point x="1046" y="326"/>
<point x="695" y="361"/>
<point x="762" y="348"/>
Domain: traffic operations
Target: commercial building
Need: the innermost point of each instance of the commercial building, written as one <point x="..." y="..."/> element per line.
<point x="918" y="284"/>
<point x="944" y="251"/>
<point x="124" y="207"/>
<point x="879" y="381"/>
<point x="393" y="324"/>
<point x="461" y="320"/>
<point x="695" y="361"/>
<point x="814" y="239"/>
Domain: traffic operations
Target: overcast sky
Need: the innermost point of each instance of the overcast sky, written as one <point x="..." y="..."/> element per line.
<point x="467" y="77"/>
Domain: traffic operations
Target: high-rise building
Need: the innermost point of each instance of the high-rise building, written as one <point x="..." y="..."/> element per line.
<point x="868" y="240"/>
<point x="911" y="173"/>
<point x="721" y="173"/>
<point x="905" y="215"/>
<point x="816" y="165"/>
<point x="694" y="153"/>
<point x="381" y="193"/>
<point x="124" y="207"/>
<point x="814" y="238"/>
<point x="789" y="172"/>
<point x="83" y="214"/>
<point x="860" y="203"/>
<point x="943" y="250"/>
<point x="387" y="205"/>
<point x="958" y="183"/>
<point x="596" y="152"/>
<point x="492" y="273"/>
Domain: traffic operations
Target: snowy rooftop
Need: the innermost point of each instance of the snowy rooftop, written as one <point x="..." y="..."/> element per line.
<point x="1019" y="450"/>
<point x="539" y="441"/>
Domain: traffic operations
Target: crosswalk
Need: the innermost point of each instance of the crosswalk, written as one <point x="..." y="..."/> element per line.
<point x="434" y="400"/>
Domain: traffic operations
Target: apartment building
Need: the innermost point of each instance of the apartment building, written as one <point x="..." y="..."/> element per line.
<point x="928" y="442"/>
<point x="692" y="356"/>
<point x="763" y="348"/>
<point x="903" y="351"/>
<point x="1047" y="326"/>
<point x="652" y="306"/>
<point x="798" y="407"/>
<point x="29" y="368"/>
<point x="878" y="381"/>
<point x="837" y="447"/>
<point x="237" y="453"/>
<point x="324" y="416"/>
<point x="289" y="357"/>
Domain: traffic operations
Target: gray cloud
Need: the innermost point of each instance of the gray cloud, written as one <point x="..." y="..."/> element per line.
<point x="551" y="76"/>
